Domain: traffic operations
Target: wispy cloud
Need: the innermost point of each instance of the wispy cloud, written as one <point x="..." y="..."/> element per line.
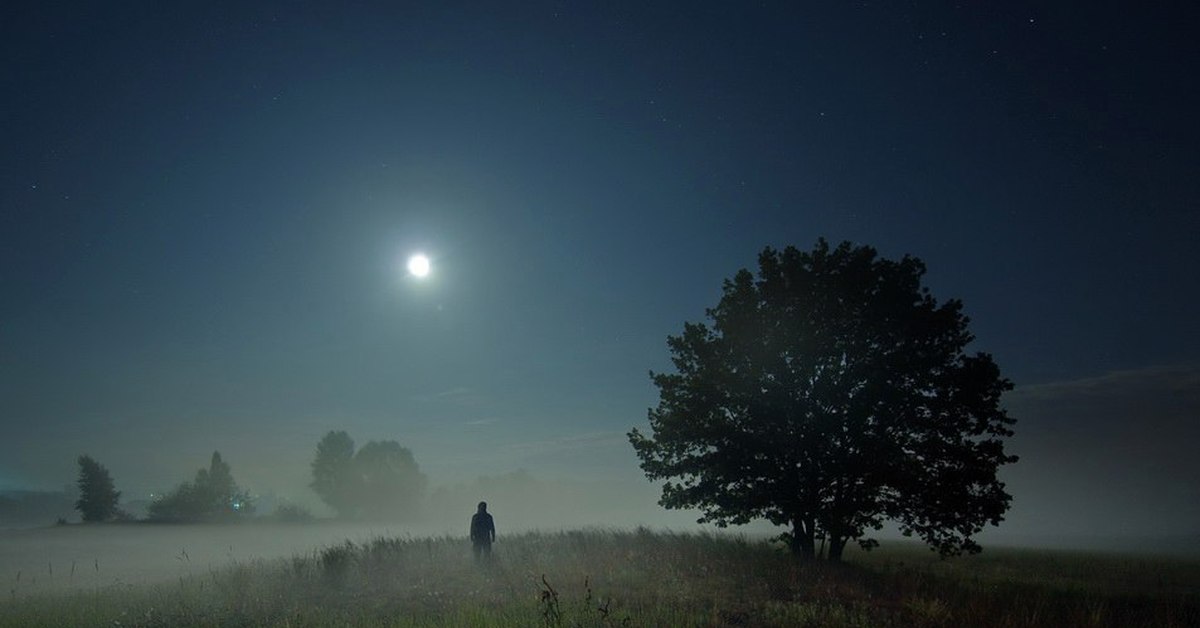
<point x="454" y="393"/>
<point x="590" y="440"/>
<point x="459" y="396"/>
<point x="1149" y="380"/>
<point x="1109" y="453"/>
<point x="1153" y="407"/>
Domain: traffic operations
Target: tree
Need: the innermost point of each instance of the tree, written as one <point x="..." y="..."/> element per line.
<point x="185" y="503"/>
<point x="212" y="495"/>
<point x="216" y="488"/>
<point x="97" y="495"/>
<point x="380" y="481"/>
<point x="830" y="394"/>
<point x="334" y="480"/>
<point x="391" y="483"/>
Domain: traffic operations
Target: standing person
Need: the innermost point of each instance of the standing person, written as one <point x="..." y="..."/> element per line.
<point x="483" y="532"/>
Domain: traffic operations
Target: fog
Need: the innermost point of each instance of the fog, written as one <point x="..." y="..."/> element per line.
<point x="67" y="557"/>
<point x="1106" y="464"/>
<point x="1106" y="461"/>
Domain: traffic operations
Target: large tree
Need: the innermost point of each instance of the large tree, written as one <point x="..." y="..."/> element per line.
<point x="97" y="495"/>
<point x="832" y="393"/>
<point x="379" y="481"/>
<point x="392" y="485"/>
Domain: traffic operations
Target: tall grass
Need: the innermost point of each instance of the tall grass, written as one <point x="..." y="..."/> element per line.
<point x="600" y="578"/>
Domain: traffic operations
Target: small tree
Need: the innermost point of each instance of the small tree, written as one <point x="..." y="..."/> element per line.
<point x="832" y="393"/>
<point x="97" y="495"/>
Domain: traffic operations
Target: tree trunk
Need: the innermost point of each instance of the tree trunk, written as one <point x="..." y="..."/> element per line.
<point x="802" y="541"/>
<point x="836" y="545"/>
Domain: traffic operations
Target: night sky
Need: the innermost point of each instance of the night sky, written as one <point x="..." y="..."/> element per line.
<point x="205" y="212"/>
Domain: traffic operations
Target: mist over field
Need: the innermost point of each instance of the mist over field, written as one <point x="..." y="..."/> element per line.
<point x="1105" y="463"/>
<point x="37" y="557"/>
<point x="44" y="555"/>
<point x="287" y="289"/>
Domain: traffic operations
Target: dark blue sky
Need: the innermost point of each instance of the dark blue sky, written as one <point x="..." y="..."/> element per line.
<point x="204" y="213"/>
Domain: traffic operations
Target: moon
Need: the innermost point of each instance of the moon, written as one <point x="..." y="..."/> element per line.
<point x="418" y="266"/>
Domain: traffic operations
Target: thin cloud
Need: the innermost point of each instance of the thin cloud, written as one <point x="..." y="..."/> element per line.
<point x="1111" y="454"/>
<point x="456" y="393"/>
<point x="589" y="440"/>
<point x="1166" y="379"/>
<point x="459" y="395"/>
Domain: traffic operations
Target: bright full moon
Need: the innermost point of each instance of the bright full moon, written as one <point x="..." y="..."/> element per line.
<point x="418" y="265"/>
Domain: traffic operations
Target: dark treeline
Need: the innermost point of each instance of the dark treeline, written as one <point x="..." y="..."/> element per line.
<point x="379" y="481"/>
<point x="28" y="508"/>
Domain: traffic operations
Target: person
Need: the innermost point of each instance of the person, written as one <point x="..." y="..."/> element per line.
<point x="483" y="532"/>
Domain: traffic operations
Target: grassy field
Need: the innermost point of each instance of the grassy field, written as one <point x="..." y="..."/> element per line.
<point x="637" y="578"/>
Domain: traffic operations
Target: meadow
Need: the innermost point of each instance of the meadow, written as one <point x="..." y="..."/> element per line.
<point x="615" y="578"/>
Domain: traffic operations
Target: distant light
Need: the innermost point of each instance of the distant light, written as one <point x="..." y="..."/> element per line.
<point x="418" y="265"/>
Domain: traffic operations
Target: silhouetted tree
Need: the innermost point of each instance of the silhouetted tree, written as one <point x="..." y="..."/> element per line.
<point x="334" y="479"/>
<point x="392" y="485"/>
<point x="380" y="481"/>
<point x="185" y="503"/>
<point x="97" y="495"/>
<point x="218" y="491"/>
<point x="832" y="393"/>
<point x="212" y="495"/>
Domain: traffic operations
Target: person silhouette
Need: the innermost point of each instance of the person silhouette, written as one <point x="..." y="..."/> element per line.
<point x="483" y="532"/>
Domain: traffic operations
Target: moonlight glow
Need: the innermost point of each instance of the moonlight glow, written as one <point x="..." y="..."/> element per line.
<point x="418" y="266"/>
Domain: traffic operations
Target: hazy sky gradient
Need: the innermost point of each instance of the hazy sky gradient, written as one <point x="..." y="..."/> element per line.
<point x="205" y="212"/>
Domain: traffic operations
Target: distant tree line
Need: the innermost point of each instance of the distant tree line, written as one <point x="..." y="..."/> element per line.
<point x="212" y="496"/>
<point x="20" y="508"/>
<point x="379" y="481"/>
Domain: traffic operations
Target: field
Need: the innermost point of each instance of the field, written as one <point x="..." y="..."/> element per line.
<point x="579" y="578"/>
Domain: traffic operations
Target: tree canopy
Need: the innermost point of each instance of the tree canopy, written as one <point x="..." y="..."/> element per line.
<point x="97" y="494"/>
<point x="333" y="474"/>
<point x="832" y="393"/>
<point x="379" y="481"/>
<point x="212" y="495"/>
